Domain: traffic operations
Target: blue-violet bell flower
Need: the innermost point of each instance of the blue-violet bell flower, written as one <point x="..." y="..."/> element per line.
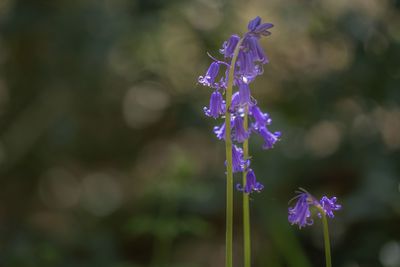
<point x="252" y="185"/>
<point x="238" y="162"/>
<point x="260" y="119"/>
<point x="300" y="214"/>
<point x="269" y="138"/>
<point x="228" y="47"/>
<point x="211" y="74"/>
<point x="239" y="134"/>
<point x="217" y="105"/>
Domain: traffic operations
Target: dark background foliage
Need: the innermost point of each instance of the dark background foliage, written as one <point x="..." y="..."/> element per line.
<point x="107" y="160"/>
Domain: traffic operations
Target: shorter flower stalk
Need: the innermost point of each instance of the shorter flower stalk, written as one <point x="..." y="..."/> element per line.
<point x="300" y="214"/>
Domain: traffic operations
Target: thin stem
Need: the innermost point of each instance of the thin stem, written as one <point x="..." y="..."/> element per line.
<point x="246" y="208"/>
<point x="229" y="173"/>
<point x="326" y="237"/>
<point x="326" y="241"/>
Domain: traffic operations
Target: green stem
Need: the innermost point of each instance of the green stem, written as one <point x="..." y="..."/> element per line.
<point x="246" y="208"/>
<point x="326" y="238"/>
<point x="229" y="173"/>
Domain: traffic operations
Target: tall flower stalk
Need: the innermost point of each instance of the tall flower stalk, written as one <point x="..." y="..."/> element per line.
<point x="229" y="171"/>
<point x="243" y="62"/>
<point x="300" y="214"/>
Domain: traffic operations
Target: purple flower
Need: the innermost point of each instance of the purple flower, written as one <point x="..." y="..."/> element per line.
<point x="261" y="119"/>
<point x="212" y="73"/>
<point x="246" y="65"/>
<point x="263" y="29"/>
<point x="251" y="183"/>
<point x="220" y="131"/>
<point x="256" y="50"/>
<point x="244" y="93"/>
<point x="217" y="105"/>
<point x="235" y="102"/>
<point x="228" y="47"/>
<point x="239" y="164"/>
<point x="329" y="205"/>
<point x="300" y="214"/>
<point x="254" y="23"/>
<point x="269" y="138"/>
<point x="239" y="134"/>
<point x="256" y="27"/>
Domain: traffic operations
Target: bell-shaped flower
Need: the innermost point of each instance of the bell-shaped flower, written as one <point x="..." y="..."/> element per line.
<point x="269" y="138"/>
<point x="239" y="134"/>
<point x="228" y="47"/>
<point x="252" y="185"/>
<point x="260" y="119"/>
<point x="300" y="214"/>
<point x="217" y="105"/>
<point x="211" y="74"/>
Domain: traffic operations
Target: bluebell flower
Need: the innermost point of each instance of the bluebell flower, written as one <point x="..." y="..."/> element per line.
<point x="220" y="131"/>
<point x="217" y="105"/>
<point x="239" y="134"/>
<point x="255" y="49"/>
<point x="228" y="47"/>
<point x="254" y="23"/>
<point x="211" y="74"/>
<point x="251" y="183"/>
<point x="238" y="162"/>
<point x="260" y="119"/>
<point x="256" y="27"/>
<point x="300" y="214"/>
<point x="247" y="66"/>
<point x="235" y="103"/>
<point x="244" y="93"/>
<point x="329" y="205"/>
<point x="269" y="138"/>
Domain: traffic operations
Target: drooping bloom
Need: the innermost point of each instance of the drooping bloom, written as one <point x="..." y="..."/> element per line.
<point x="217" y="105"/>
<point x="229" y="46"/>
<point x="244" y="93"/>
<point x="220" y="131"/>
<point x="211" y="74"/>
<point x="239" y="164"/>
<point x="251" y="183"/>
<point x="300" y="214"/>
<point x="269" y="138"/>
<point x="239" y="134"/>
<point x="260" y="119"/>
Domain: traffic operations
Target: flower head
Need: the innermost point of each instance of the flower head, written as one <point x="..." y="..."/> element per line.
<point x="329" y="205"/>
<point x="217" y="105"/>
<point x="300" y="214"/>
<point x="250" y="59"/>
<point x="238" y="163"/>
<point x="211" y="74"/>
<point x="228" y="47"/>
<point x="269" y="138"/>
<point x="239" y="134"/>
<point x="251" y="183"/>
<point x="260" y="119"/>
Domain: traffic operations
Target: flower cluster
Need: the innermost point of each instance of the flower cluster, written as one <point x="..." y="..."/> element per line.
<point x="300" y="214"/>
<point x="249" y="64"/>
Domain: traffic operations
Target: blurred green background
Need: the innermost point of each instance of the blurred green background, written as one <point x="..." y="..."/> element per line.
<point x="106" y="158"/>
